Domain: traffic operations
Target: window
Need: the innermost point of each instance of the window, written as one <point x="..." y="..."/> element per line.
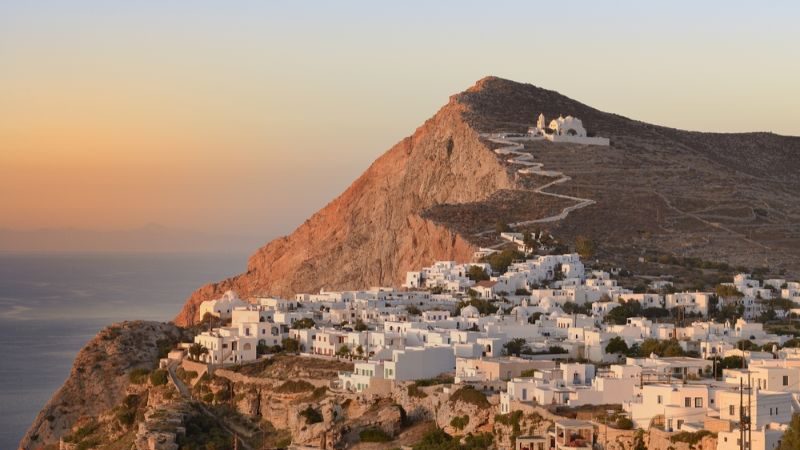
<point x="786" y="380"/>
<point x="687" y="402"/>
<point x="732" y="410"/>
<point x="698" y="402"/>
<point x="659" y="399"/>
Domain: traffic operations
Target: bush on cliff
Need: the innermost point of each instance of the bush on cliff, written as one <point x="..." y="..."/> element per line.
<point x="311" y="415"/>
<point x="158" y="377"/>
<point x="373" y="434"/>
<point x="294" y="387"/>
<point x="468" y="394"/>
<point x="138" y="376"/>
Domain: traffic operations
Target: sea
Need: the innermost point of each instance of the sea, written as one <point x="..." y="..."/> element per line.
<point x="52" y="304"/>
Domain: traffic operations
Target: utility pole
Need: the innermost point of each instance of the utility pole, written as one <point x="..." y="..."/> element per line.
<point x="714" y="367"/>
<point x="749" y="413"/>
<point x="745" y="424"/>
<point x="741" y="414"/>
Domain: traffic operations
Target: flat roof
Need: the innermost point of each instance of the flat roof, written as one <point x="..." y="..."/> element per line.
<point x="574" y="423"/>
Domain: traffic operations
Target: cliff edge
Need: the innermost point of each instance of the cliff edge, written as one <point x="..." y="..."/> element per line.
<point x="374" y="232"/>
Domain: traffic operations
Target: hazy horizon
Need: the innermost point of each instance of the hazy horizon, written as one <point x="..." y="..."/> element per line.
<point x="244" y="121"/>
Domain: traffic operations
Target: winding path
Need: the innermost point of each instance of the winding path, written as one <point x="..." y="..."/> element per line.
<point x="187" y="396"/>
<point x="514" y="149"/>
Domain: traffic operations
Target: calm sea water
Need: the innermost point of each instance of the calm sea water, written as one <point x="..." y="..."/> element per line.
<point x="51" y="305"/>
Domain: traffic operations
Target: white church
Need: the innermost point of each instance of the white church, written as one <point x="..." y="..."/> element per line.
<point x="565" y="129"/>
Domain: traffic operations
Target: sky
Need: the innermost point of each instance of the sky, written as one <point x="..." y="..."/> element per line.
<point x="246" y="117"/>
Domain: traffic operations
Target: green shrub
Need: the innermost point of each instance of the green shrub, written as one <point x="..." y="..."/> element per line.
<point x="89" y="443"/>
<point x="126" y="416"/>
<point x="138" y="376"/>
<point x="468" y="394"/>
<point x="311" y="415"/>
<point x="158" y="377"/>
<point x="203" y="432"/>
<point x="689" y="437"/>
<point x="434" y="381"/>
<point x="317" y="394"/>
<point x="437" y="439"/>
<point x="459" y="422"/>
<point x="82" y="433"/>
<point x="623" y="423"/>
<point x="294" y="387"/>
<point x="374" y="434"/>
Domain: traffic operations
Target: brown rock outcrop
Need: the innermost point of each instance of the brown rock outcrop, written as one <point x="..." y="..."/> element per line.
<point x="99" y="378"/>
<point x="373" y="232"/>
<point x="722" y="197"/>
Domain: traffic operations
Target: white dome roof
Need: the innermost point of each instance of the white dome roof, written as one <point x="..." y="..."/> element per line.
<point x="469" y="311"/>
<point x="518" y="311"/>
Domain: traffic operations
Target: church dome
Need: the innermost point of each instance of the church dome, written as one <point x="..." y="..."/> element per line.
<point x="469" y="311"/>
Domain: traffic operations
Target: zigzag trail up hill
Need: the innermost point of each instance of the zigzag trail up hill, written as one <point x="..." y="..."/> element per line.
<point x="726" y="197"/>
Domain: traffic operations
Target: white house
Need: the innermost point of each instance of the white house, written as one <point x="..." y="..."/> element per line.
<point x="226" y="346"/>
<point x="221" y="307"/>
<point x="565" y="129"/>
<point x="415" y="363"/>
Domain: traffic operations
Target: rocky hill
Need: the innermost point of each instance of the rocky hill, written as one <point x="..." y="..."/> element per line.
<point x="727" y="197"/>
<point x="99" y="378"/>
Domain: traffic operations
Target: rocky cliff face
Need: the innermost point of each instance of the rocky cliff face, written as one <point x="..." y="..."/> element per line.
<point x="99" y="377"/>
<point x="373" y="232"/>
<point x="722" y="197"/>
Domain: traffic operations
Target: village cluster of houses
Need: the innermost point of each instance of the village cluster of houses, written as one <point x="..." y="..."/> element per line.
<point x="412" y="333"/>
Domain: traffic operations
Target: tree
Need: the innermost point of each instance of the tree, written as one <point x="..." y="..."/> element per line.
<point x="767" y="315"/>
<point x="477" y="273"/>
<point x="728" y="362"/>
<point x="619" y="315"/>
<point x="501" y="260"/>
<point x="585" y="247"/>
<point x="791" y="437"/>
<point x="655" y="312"/>
<point x="669" y="347"/>
<point x="747" y="345"/>
<point x="196" y="350"/>
<point x="413" y="310"/>
<point x="574" y="308"/>
<point x="529" y="241"/>
<point x="303" y="323"/>
<point x="617" y="345"/>
<point x="360" y="325"/>
<point x="515" y="346"/>
<point x="501" y="227"/>
<point x="344" y="350"/>
<point x="727" y="290"/>
<point x="484" y="307"/>
<point x="534" y="317"/>
<point x="360" y="350"/>
<point x="291" y="345"/>
<point x="638" y="440"/>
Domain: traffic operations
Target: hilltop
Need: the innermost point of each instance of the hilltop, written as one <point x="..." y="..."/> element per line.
<point x="654" y="190"/>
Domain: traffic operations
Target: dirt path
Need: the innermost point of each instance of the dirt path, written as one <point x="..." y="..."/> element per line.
<point x="716" y="225"/>
<point x="186" y="394"/>
<point x="514" y="149"/>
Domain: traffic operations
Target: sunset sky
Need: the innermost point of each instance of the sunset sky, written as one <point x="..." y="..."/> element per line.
<point x="246" y="117"/>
